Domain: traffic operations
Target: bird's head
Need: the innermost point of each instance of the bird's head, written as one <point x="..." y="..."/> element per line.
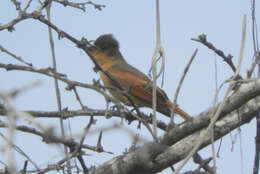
<point x="107" y="43"/>
<point x="106" y="49"/>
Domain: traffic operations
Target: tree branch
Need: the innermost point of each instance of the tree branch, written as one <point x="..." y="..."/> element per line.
<point x="246" y="100"/>
<point x="228" y="59"/>
<point x="90" y="112"/>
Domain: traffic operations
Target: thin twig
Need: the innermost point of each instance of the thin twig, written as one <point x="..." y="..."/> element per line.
<point x="256" y="58"/>
<point x="242" y="47"/>
<point x="219" y="147"/>
<point x="19" y="150"/>
<point x="56" y="84"/>
<point x="179" y="86"/>
<point x="56" y="166"/>
<point x="48" y="137"/>
<point x="81" y="6"/>
<point x="11" y="117"/>
<point x="24" y="171"/>
<point x="254" y="28"/>
<point x="241" y="149"/>
<point x="257" y="146"/>
<point x="219" y="109"/>
<point x="22" y="15"/>
<point x="158" y="50"/>
<point x="215" y="102"/>
<point x="16" y="4"/>
<point x="81" y="160"/>
<point x="27" y="5"/>
<point x="14" y="56"/>
<point x="228" y="59"/>
<point x="78" y="98"/>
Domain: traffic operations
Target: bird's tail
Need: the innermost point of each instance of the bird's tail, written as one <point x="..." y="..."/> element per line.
<point x="179" y="111"/>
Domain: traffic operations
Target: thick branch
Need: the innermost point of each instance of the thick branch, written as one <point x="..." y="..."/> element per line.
<point x="231" y="121"/>
<point x="152" y="158"/>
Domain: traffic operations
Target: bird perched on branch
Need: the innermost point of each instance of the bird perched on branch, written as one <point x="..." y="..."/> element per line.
<point x="106" y="53"/>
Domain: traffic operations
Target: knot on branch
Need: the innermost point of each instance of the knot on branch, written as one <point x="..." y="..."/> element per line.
<point x="83" y="43"/>
<point x="96" y="69"/>
<point x="11" y="28"/>
<point x="202" y="37"/>
<point x="229" y="57"/>
<point x="70" y="86"/>
<point x="36" y="14"/>
<point x="257" y="55"/>
<point x="146" y="154"/>
<point x="97" y="83"/>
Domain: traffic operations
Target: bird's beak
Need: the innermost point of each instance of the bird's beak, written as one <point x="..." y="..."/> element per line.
<point x="92" y="47"/>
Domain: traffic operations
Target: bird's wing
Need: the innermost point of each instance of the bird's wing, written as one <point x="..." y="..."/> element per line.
<point x="138" y="83"/>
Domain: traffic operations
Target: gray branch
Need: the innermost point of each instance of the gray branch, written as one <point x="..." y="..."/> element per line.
<point x="241" y="107"/>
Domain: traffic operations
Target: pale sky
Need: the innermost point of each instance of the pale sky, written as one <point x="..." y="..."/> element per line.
<point x="133" y="24"/>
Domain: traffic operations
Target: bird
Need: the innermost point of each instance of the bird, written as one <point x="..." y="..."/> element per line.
<point x="105" y="51"/>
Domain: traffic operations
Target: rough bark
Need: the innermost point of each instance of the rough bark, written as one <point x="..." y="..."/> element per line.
<point x="241" y="107"/>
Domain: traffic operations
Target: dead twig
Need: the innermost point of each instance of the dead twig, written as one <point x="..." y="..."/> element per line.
<point x="19" y="150"/>
<point x="14" y="56"/>
<point x="81" y="6"/>
<point x="179" y="86"/>
<point x="203" y="163"/>
<point x="56" y="84"/>
<point x="158" y="50"/>
<point x="219" y="109"/>
<point x="228" y="59"/>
